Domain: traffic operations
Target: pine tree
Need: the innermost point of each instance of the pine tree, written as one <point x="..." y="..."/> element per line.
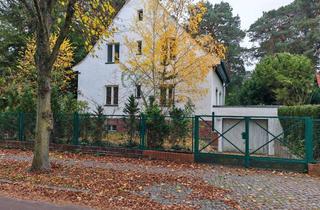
<point x="132" y="110"/>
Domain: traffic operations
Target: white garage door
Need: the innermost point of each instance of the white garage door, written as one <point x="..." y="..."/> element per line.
<point x="257" y="136"/>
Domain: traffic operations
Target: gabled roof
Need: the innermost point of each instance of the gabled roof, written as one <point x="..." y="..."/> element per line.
<point x="318" y="78"/>
<point x="222" y="73"/>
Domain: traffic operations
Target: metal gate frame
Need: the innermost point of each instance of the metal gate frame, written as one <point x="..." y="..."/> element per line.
<point x="247" y="156"/>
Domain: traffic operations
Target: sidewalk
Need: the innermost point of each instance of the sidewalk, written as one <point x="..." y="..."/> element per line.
<point x="14" y="204"/>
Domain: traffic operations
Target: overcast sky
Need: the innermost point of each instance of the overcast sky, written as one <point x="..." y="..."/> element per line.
<point x="249" y="11"/>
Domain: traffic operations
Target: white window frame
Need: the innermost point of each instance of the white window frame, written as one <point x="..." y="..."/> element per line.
<point x="113" y="58"/>
<point x="112" y="95"/>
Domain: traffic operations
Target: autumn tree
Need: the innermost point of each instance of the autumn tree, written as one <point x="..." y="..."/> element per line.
<point x="51" y="17"/>
<point x="168" y="61"/>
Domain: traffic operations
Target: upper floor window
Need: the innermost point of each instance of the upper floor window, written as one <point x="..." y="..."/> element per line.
<point x="139" y="51"/>
<point x="113" y="53"/>
<point x="138" y="91"/>
<point x="169" y="49"/>
<point x="112" y="95"/>
<point x="140" y="15"/>
<point x="217" y="98"/>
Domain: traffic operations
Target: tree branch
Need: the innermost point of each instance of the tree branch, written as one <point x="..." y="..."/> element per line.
<point x="38" y="13"/>
<point x="28" y="7"/>
<point x="63" y="32"/>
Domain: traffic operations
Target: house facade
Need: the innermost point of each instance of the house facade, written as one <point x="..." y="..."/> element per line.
<point x="102" y="81"/>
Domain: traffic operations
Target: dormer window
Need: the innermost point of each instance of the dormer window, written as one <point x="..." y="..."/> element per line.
<point x="140" y="15"/>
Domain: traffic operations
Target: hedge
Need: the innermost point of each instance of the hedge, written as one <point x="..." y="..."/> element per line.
<point x="297" y="135"/>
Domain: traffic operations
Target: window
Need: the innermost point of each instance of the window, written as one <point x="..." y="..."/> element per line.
<point x="166" y="95"/>
<point x="217" y="99"/>
<point x="112" y="128"/>
<point x="110" y="53"/>
<point x="169" y="49"/>
<point x="117" y="53"/>
<point x="140" y="15"/>
<point x="139" y="48"/>
<point x="112" y="95"/>
<point x="138" y="91"/>
<point x="220" y="98"/>
<point x="113" y="53"/>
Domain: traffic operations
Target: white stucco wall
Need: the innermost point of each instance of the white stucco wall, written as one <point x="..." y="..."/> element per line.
<point x="266" y="113"/>
<point x="95" y="74"/>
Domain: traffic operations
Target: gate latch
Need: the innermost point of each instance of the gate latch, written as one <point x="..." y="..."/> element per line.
<point x="244" y="135"/>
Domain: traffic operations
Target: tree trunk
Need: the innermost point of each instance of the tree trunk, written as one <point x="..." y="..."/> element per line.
<point x="44" y="124"/>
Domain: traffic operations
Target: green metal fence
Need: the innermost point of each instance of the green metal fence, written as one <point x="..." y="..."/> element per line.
<point x="316" y="139"/>
<point x="104" y="130"/>
<point x="277" y="142"/>
<point x="250" y="141"/>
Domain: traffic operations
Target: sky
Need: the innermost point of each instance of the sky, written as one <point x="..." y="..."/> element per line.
<point x="250" y="10"/>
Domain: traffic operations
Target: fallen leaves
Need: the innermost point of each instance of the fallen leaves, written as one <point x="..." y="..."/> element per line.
<point x="102" y="188"/>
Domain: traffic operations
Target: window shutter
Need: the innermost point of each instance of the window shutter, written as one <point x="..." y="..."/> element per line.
<point x="110" y="53"/>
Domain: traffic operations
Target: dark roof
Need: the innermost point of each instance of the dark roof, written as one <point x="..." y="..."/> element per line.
<point x="222" y="73"/>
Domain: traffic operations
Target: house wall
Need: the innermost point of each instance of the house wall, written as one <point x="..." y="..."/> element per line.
<point x="95" y="74"/>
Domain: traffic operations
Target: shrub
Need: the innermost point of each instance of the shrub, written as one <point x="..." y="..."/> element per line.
<point x="98" y="128"/>
<point x="179" y="127"/>
<point x="297" y="136"/>
<point x="157" y="128"/>
<point x="132" y="110"/>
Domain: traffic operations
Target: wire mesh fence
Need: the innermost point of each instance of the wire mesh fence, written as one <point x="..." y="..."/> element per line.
<point x="271" y="137"/>
<point x="169" y="133"/>
<point x="316" y="139"/>
<point x="9" y="126"/>
<point x="275" y="137"/>
<point x="109" y="130"/>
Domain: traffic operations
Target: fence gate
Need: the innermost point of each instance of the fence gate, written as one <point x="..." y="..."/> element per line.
<point x="269" y="142"/>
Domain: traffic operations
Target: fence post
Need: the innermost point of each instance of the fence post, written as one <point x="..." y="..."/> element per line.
<point x="142" y="131"/>
<point x="196" y="137"/>
<point x="309" y="139"/>
<point x="247" y="142"/>
<point x="76" y="129"/>
<point x="21" y="126"/>
<point x="212" y="123"/>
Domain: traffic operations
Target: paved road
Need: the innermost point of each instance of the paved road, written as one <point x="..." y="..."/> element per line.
<point x="14" y="204"/>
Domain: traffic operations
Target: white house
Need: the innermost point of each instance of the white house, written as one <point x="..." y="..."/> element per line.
<point x="101" y="80"/>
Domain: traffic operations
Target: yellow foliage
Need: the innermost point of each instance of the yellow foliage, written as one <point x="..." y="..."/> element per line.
<point x="170" y="56"/>
<point x="95" y="16"/>
<point x="61" y="73"/>
<point x="196" y="12"/>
